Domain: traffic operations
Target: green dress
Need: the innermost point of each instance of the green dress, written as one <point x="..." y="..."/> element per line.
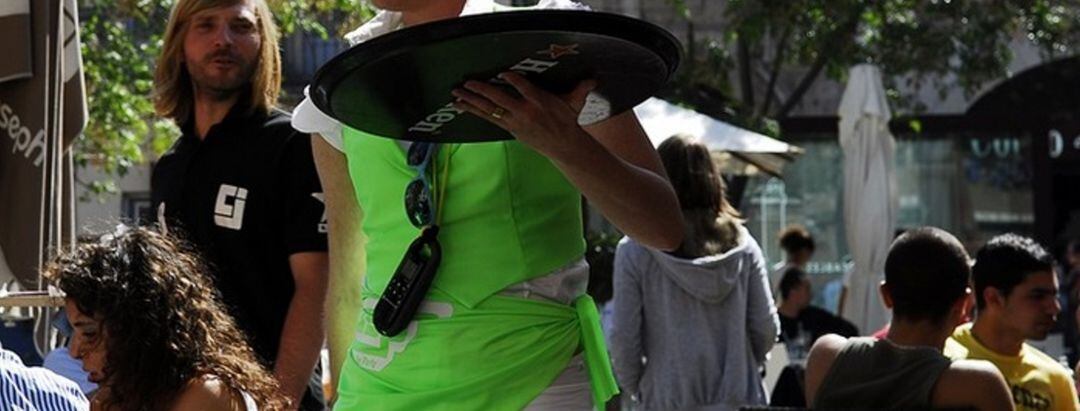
<point x="508" y="216"/>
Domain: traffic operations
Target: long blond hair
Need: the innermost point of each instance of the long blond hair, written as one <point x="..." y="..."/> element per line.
<point x="173" y="94"/>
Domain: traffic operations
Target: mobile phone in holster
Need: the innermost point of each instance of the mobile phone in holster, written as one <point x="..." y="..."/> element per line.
<point x="409" y="285"/>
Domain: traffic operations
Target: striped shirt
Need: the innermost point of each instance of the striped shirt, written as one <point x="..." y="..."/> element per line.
<point x="36" y="389"/>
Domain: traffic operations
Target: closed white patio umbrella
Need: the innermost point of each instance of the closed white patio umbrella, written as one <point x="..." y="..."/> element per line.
<point x="870" y="200"/>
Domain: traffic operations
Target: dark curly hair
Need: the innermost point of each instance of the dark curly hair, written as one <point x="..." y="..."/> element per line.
<point x="164" y="323"/>
<point x="1005" y="262"/>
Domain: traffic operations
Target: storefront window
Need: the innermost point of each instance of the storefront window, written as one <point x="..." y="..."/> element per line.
<point x="973" y="185"/>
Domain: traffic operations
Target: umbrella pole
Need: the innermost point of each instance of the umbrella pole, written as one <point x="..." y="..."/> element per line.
<point x="31" y="299"/>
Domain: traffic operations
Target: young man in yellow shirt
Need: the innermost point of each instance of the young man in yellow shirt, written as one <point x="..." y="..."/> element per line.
<point x="1016" y="292"/>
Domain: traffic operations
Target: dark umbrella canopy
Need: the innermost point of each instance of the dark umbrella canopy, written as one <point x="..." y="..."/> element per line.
<point x="42" y="109"/>
<point x="1048" y="92"/>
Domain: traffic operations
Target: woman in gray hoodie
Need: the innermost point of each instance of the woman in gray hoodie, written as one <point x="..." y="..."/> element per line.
<point x="691" y="328"/>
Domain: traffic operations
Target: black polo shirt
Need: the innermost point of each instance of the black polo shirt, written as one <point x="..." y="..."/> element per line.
<point x="247" y="197"/>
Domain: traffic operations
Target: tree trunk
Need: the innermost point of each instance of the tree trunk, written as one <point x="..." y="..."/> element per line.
<point x="774" y="71"/>
<point x="746" y="81"/>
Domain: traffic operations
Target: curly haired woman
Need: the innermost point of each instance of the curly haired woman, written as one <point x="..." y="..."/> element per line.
<point x="152" y="333"/>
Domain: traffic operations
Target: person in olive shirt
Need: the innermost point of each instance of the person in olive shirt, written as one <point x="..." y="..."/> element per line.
<point x="926" y="288"/>
<point x="241" y="185"/>
<point x="1016" y="294"/>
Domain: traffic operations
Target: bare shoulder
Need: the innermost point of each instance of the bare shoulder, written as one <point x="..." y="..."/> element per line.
<point x="822" y="356"/>
<point x="973" y="373"/>
<point x="208" y="393"/>
<point x="972" y="383"/>
<point x="825" y="350"/>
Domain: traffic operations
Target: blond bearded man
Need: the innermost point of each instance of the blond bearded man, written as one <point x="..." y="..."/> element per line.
<point x="240" y="184"/>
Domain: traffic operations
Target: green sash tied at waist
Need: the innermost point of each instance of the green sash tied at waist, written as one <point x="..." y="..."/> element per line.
<point x="457" y="358"/>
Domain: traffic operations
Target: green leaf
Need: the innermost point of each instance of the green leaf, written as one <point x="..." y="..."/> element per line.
<point x="916" y="41"/>
<point x="915" y="125"/>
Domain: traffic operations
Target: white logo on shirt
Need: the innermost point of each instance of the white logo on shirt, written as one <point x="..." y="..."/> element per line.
<point x="376" y="351"/>
<point x="230" y="215"/>
<point x="322" y="223"/>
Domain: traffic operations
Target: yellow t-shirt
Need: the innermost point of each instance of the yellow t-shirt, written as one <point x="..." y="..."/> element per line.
<point x="1038" y="383"/>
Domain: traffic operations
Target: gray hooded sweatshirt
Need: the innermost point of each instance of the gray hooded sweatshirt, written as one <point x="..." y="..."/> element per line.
<point x="690" y="334"/>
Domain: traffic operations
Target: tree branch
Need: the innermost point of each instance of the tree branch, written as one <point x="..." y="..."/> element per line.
<point x="823" y="56"/>
<point x="746" y="82"/>
<point x="774" y="71"/>
<point x="691" y="42"/>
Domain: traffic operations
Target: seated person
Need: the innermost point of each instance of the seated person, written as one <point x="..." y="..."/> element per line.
<point x="61" y="362"/>
<point x="926" y="287"/>
<point x="152" y="333"/>
<point x="798" y="246"/>
<point x="797" y="316"/>
<point x="36" y="388"/>
<point x="1016" y="294"/>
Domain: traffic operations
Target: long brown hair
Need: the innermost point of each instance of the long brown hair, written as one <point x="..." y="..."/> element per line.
<point x="710" y="220"/>
<point x="163" y="323"/>
<point x="173" y="94"/>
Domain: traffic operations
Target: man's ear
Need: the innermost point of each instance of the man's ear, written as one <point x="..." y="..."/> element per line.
<point x="960" y="309"/>
<point x="993" y="297"/>
<point x="886" y="295"/>
<point x="969" y="304"/>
